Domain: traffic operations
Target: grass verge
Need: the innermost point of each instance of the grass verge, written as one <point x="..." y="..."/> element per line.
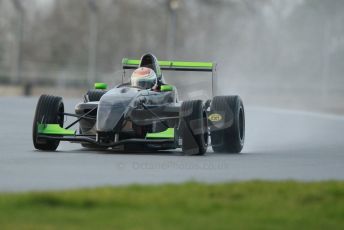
<point x="242" y="205"/>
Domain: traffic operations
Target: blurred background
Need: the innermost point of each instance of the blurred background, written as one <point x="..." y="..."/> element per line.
<point x="274" y="53"/>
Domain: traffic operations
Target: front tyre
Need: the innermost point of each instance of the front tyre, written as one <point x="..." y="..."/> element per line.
<point x="227" y="130"/>
<point x="49" y="110"/>
<point x="94" y="95"/>
<point x="193" y="128"/>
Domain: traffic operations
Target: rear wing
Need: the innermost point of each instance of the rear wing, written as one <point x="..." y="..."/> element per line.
<point x="174" y="65"/>
<point x="177" y="66"/>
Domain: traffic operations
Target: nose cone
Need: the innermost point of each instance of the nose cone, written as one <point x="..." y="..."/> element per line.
<point x="112" y="106"/>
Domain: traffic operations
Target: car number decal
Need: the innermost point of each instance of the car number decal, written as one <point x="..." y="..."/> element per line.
<point x="215" y="117"/>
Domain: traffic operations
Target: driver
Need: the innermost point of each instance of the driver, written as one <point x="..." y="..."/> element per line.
<point x="144" y="77"/>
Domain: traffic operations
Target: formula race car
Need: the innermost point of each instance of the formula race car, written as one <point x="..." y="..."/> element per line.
<point x="144" y="114"/>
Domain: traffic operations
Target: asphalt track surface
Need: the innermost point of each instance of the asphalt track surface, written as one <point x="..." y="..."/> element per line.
<point x="280" y="144"/>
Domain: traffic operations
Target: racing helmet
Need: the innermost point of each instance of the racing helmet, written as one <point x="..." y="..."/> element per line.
<point x="144" y="77"/>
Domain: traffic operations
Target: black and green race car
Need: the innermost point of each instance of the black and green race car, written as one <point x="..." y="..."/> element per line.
<point x="128" y="118"/>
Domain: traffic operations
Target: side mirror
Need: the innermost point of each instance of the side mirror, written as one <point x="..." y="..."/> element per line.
<point x="166" y="88"/>
<point x="100" y="85"/>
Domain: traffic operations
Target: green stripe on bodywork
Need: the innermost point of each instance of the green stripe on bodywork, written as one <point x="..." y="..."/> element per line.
<point x="167" y="134"/>
<point x="54" y="129"/>
<point x="173" y="64"/>
<point x="100" y="85"/>
<point x="166" y="88"/>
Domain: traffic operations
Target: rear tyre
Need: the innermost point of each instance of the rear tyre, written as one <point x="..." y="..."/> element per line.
<point x="49" y="110"/>
<point x="193" y="128"/>
<point x="94" y="95"/>
<point x="227" y="128"/>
